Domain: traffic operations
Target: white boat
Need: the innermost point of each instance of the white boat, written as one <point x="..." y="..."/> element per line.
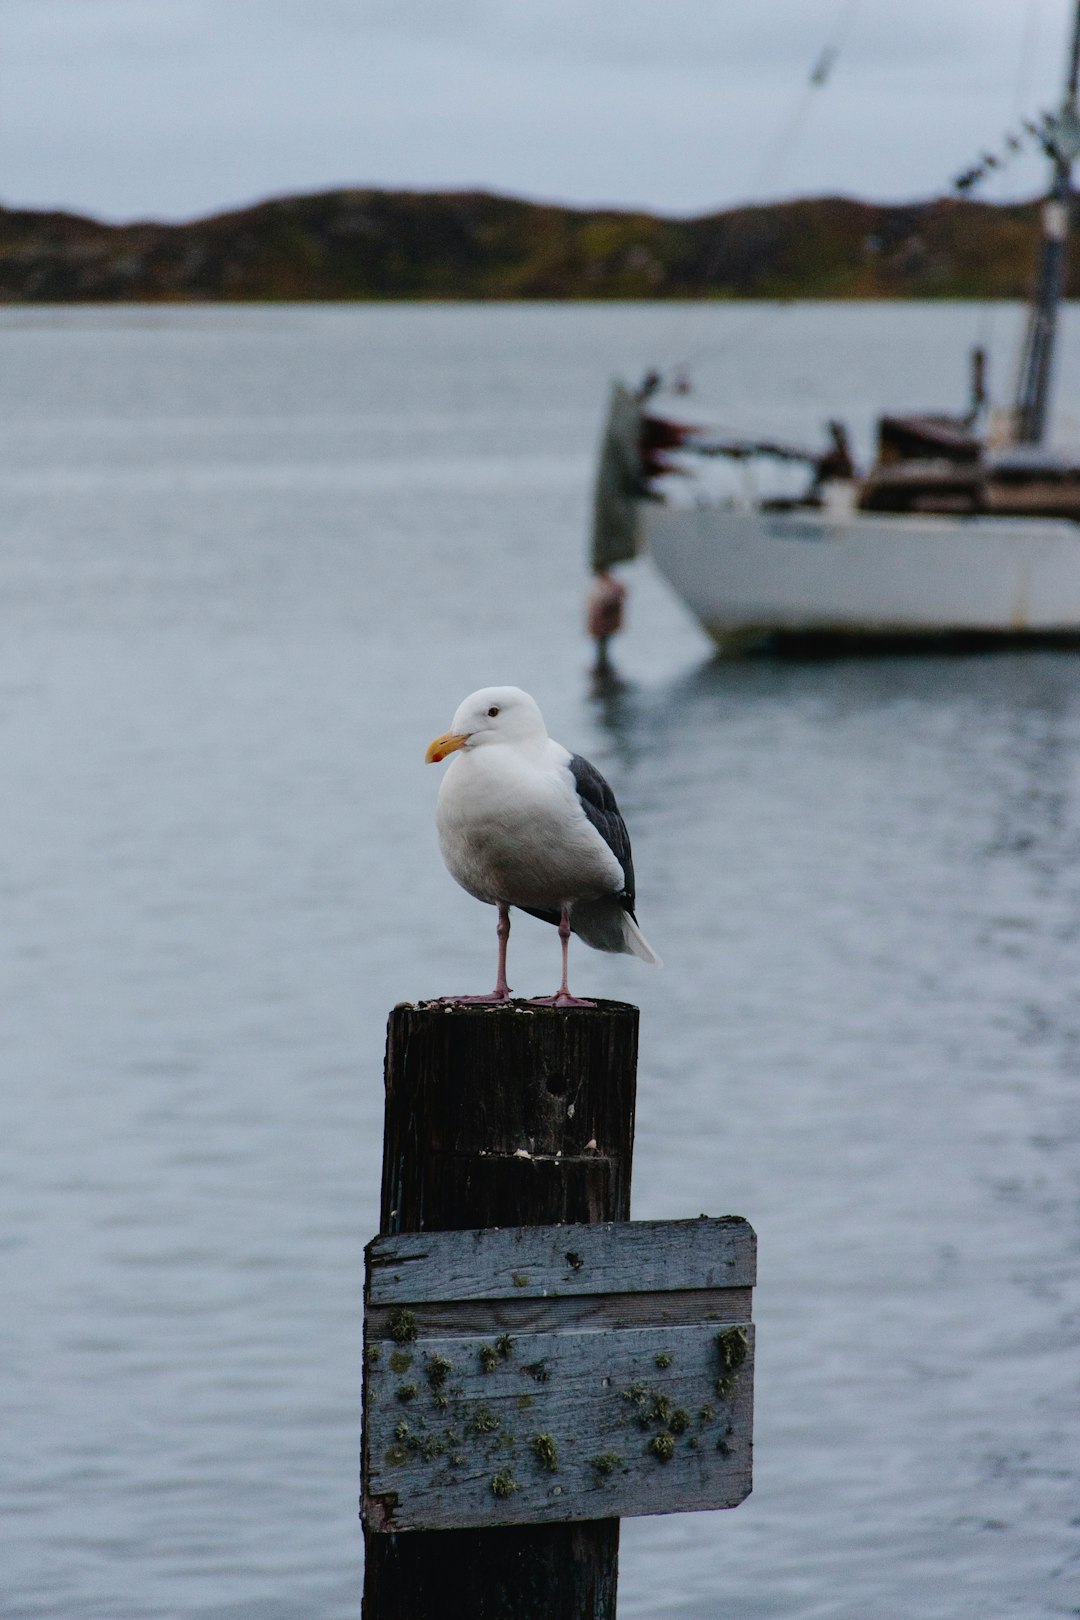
<point x="943" y="537"/>
<point x="834" y="572"/>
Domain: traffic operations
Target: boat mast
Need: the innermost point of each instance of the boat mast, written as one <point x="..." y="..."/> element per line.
<point x="1061" y="135"/>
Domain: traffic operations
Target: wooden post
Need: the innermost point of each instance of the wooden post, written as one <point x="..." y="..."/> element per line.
<point x="508" y="1115"/>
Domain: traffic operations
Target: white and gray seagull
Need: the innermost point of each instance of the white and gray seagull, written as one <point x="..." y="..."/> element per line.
<point x="523" y="822"/>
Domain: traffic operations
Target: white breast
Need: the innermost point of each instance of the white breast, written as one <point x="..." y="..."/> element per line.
<point x="512" y="829"/>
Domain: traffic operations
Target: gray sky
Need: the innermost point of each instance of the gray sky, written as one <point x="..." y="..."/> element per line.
<point x="174" y="108"/>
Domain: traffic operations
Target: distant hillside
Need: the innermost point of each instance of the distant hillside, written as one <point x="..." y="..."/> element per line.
<point x="469" y="245"/>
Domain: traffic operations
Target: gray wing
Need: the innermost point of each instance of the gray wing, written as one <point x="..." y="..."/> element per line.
<point x="598" y="803"/>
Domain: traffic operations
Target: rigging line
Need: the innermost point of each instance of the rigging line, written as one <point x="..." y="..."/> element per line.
<point x="762" y="315"/>
<point x="1025" y="56"/>
<point x="994" y="169"/>
<point x="768" y="171"/>
<point x="783" y="141"/>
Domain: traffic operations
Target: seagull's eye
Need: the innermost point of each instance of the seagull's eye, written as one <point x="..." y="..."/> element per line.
<point x="493" y="711"/>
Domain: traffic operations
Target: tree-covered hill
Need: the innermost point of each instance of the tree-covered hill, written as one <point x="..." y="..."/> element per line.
<point x="369" y="244"/>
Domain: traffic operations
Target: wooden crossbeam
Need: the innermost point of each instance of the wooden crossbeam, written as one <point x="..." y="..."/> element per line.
<point x="557" y="1373"/>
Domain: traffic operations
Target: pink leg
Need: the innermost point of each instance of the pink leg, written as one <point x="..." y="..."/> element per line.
<point x="501" y="991"/>
<point x="563" y="998"/>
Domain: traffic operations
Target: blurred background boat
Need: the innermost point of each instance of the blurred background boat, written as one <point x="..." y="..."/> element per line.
<point x="967" y="524"/>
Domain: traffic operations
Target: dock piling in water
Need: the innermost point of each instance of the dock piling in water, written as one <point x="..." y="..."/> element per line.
<point x="503" y="1116"/>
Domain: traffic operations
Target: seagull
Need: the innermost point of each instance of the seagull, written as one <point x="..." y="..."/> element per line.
<point x="523" y="822"/>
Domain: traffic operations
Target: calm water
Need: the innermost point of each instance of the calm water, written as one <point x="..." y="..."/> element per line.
<point x="249" y="562"/>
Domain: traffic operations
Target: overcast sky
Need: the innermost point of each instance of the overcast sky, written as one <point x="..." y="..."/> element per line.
<point x="174" y="108"/>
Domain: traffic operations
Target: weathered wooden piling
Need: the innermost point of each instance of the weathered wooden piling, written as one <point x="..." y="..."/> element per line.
<point x="499" y="1116"/>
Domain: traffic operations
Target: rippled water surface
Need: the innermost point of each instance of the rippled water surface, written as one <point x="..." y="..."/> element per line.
<point x="249" y="562"/>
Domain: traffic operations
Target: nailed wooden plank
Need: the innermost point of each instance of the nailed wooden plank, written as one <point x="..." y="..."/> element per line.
<point x="556" y="1426"/>
<point x="602" y="1312"/>
<point x="542" y="1261"/>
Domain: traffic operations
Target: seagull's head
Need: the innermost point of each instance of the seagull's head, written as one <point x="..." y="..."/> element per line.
<point x="495" y="714"/>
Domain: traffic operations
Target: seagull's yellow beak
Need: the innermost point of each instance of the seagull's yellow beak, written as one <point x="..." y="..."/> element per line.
<point x="448" y="743"/>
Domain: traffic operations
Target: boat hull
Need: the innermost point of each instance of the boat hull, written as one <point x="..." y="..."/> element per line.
<point x="750" y="573"/>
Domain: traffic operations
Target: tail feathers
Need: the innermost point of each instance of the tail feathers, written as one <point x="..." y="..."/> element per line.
<point x="605" y="926"/>
<point x="637" y="944"/>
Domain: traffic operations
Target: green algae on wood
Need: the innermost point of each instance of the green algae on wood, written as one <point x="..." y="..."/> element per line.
<point x="403" y="1326"/>
<point x="545" y="1452"/>
<point x="599" y="1375"/>
<point x="483" y="1421"/>
<point x="733" y="1345"/>
<point x="439" y="1369"/>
